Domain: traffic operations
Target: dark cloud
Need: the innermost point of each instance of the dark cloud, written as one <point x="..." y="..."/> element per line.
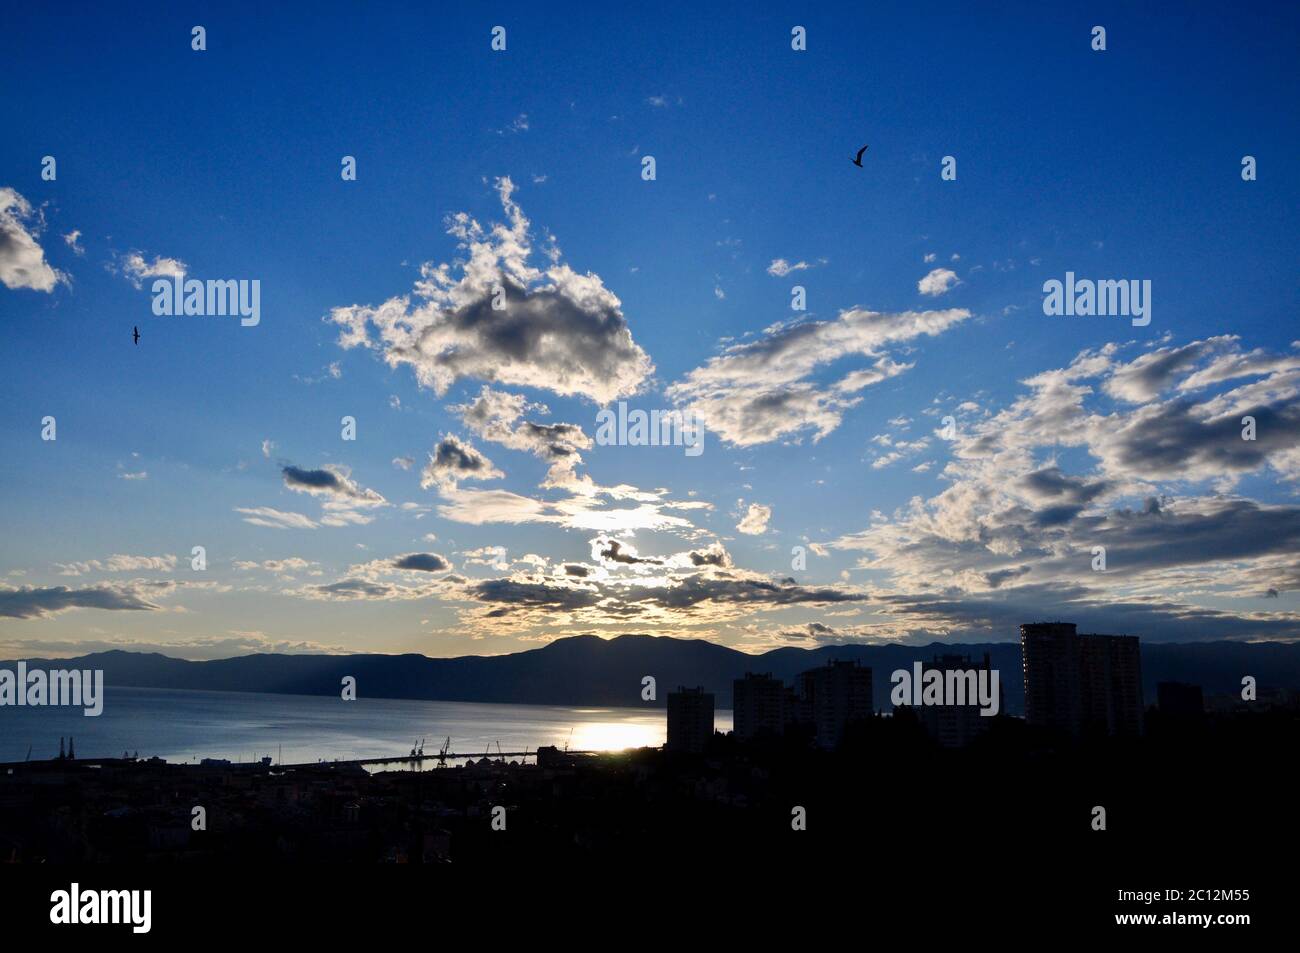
<point x="495" y="415"/>
<point x="1176" y="440"/>
<point x="555" y="594"/>
<point x="312" y="479"/>
<point x="714" y="555"/>
<point x="542" y="338"/>
<point x="997" y="578"/>
<point x="353" y="589"/>
<point x="453" y="460"/>
<point x="1215" y="531"/>
<point x="451" y="454"/>
<point x="341" y="497"/>
<point x="1147" y="377"/>
<point x="612" y="550"/>
<point x="516" y="592"/>
<point x="813" y="632"/>
<point x="553" y="441"/>
<point x="964" y="616"/>
<point x="746" y="589"/>
<point x="37" y="603"/>
<point x="422" y="562"/>
<point x="1054" y="484"/>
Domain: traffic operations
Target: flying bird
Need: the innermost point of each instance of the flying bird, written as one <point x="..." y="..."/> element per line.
<point x="136" y="334"/>
<point x="858" y="159"/>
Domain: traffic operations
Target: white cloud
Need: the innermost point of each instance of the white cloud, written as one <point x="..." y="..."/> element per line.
<point x="135" y="267"/>
<point x="558" y="330"/>
<point x="754" y="522"/>
<point x="899" y="449"/>
<point x="290" y="564"/>
<point x="275" y="519"/>
<point x="760" y="391"/>
<point x="119" y="562"/>
<point x="22" y="260"/>
<point x="518" y="124"/>
<point x="937" y="282"/>
<point x="1152" y="483"/>
<point x="780" y="267"/>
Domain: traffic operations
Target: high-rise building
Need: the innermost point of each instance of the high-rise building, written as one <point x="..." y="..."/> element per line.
<point x="1110" y="671"/>
<point x="690" y="719"/>
<point x="836" y="695"/>
<point x="1081" y="684"/>
<point x="956" y="725"/>
<point x="762" y="705"/>
<point x="1050" y="658"/>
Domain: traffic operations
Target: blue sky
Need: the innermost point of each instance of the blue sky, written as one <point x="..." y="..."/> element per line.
<point x="1122" y="164"/>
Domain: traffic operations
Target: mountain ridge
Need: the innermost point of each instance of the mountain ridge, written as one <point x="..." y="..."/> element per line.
<point x="590" y="670"/>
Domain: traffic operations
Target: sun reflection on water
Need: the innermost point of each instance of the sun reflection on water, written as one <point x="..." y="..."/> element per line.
<point x="600" y="735"/>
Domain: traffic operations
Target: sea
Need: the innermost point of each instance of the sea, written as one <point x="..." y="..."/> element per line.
<point x="187" y="726"/>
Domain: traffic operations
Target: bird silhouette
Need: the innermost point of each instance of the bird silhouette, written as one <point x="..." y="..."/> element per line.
<point x="858" y="159"/>
<point x="136" y="334"/>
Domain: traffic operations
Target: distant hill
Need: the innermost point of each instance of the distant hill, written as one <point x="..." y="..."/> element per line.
<point x="587" y="670"/>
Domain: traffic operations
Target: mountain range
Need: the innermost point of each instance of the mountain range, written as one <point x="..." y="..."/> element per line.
<point x="589" y="670"/>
